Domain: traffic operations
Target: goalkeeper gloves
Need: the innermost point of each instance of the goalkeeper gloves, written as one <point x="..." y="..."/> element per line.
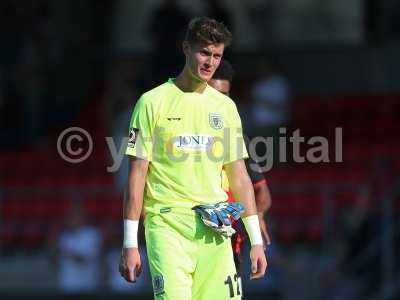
<point x="217" y="216"/>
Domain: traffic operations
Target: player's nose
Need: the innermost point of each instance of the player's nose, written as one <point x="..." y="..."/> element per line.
<point x="207" y="64"/>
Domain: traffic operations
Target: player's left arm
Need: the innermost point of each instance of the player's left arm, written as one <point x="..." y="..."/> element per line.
<point x="242" y="190"/>
<point x="263" y="203"/>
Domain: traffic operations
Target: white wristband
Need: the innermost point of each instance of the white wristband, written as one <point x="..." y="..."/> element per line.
<point x="130" y="233"/>
<point x="252" y="226"/>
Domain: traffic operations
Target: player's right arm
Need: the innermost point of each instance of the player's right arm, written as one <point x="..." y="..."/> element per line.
<point x="242" y="190"/>
<point x="261" y="193"/>
<point x="139" y="149"/>
<point x="130" y="263"/>
<point x="241" y="187"/>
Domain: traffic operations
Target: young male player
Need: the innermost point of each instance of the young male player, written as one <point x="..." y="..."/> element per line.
<point x="182" y="134"/>
<point x="222" y="81"/>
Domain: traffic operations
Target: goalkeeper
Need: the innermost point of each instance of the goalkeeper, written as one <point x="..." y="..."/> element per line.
<point x="182" y="134"/>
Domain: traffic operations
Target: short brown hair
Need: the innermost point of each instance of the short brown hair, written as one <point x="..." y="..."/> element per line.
<point x="208" y="31"/>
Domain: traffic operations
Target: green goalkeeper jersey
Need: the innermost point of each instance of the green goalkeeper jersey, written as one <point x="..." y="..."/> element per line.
<point x="187" y="139"/>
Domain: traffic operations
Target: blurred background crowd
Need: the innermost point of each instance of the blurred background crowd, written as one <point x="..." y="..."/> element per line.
<point x="300" y="64"/>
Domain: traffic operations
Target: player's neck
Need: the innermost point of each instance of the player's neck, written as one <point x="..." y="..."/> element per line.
<point x="189" y="83"/>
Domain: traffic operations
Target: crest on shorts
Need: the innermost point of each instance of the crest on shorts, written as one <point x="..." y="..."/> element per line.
<point x="133" y="133"/>
<point x="158" y="284"/>
<point x="215" y="120"/>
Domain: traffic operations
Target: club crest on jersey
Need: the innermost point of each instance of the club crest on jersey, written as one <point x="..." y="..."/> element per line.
<point x="133" y="133"/>
<point x="158" y="284"/>
<point x="215" y="120"/>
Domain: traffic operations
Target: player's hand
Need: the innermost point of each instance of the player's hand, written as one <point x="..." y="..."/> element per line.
<point x="264" y="229"/>
<point x="130" y="265"/>
<point x="258" y="261"/>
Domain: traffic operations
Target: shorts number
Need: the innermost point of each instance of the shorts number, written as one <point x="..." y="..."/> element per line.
<point x="229" y="282"/>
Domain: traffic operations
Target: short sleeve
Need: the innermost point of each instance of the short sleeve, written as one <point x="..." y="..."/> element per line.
<point x="237" y="148"/>
<point x="140" y="141"/>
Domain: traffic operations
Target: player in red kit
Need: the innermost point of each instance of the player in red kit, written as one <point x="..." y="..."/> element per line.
<point x="221" y="81"/>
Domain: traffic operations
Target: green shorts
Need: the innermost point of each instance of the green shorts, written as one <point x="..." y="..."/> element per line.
<point x="188" y="260"/>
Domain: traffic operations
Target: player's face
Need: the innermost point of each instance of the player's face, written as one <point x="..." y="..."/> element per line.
<point x="221" y="85"/>
<point x="203" y="59"/>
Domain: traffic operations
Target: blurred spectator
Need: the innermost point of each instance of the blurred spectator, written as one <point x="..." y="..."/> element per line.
<point x="270" y="95"/>
<point x="79" y="249"/>
<point x="271" y="104"/>
<point x="167" y="27"/>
